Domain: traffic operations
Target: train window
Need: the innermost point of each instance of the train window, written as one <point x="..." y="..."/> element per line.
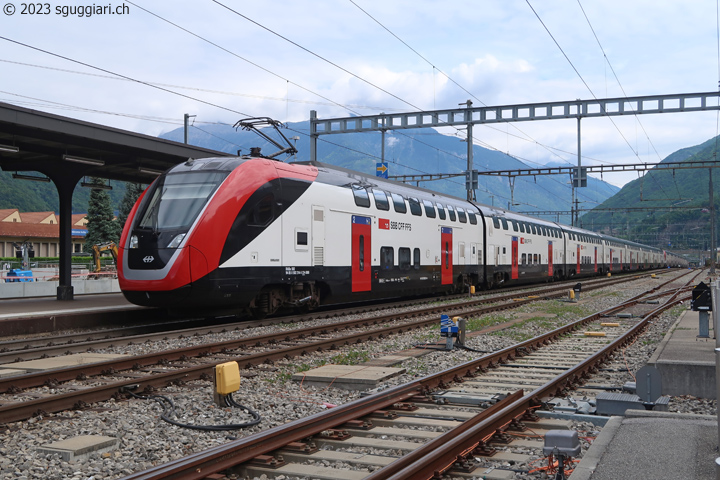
<point x="461" y="215"/>
<point x="504" y="251"/>
<point x="504" y="223"/>
<point x="447" y="254"/>
<point x="515" y="225"/>
<point x="441" y="211"/>
<point x="381" y="200"/>
<point x="522" y="227"/>
<point x="534" y="229"/>
<point x="398" y="203"/>
<point x="263" y="212"/>
<point x="429" y="209"/>
<point x="361" y="250"/>
<point x="404" y="258"/>
<point x="362" y="199"/>
<point x="496" y="222"/>
<point x="535" y="259"/>
<point x="451" y="212"/>
<point x="302" y="238"/>
<point x="387" y="258"/>
<point x="416" y="258"/>
<point x="415" y="208"/>
<point x="473" y="218"/>
<point x="524" y="259"/>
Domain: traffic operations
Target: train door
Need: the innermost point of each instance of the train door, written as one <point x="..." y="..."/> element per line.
<point x="577" y="260"/>
<point x="514" y="259"/>
<point x="447" y="255"/>
<point x="318" y="236"/>
<point x="361" y="229"/>
<point x="550" y="258"/>
<point x="595" y="259"/>
<point x="611" y="259"/>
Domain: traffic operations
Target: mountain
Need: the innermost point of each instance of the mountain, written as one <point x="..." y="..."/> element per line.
<point x="671" y="206"/>
<point x="409" y="152"/>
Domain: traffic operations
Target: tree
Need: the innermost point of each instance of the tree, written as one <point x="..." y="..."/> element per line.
<point x="101" y="225"/>
<point x="132" y="193"/>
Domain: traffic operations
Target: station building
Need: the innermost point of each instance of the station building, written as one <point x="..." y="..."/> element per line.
<point x="41" y="229"/>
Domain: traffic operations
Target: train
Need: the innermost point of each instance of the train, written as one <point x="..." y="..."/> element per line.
<point x="253" y="235"/>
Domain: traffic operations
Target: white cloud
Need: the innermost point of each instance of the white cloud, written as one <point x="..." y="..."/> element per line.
<point x="500" y="53"/>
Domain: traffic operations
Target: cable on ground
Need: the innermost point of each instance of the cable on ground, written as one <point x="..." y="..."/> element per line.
<point x="169" y="409"/>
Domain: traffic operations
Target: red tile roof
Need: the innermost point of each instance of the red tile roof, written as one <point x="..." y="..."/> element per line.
<point x="23" y="230"/>
<point x="35" y="217"/>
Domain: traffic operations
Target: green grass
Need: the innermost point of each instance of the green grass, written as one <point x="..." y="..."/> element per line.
<point x="352" y="357"/>
<point x="478" y="323"/>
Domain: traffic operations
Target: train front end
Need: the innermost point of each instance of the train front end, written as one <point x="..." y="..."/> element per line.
<point x="163" y="250"/>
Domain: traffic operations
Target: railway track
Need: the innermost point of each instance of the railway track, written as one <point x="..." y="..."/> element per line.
<point x="452" y="422"/>
<point x="63" y="344"/>
<point x="160" y="368"/>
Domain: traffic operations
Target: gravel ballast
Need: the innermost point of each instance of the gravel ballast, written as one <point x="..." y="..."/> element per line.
<point x="145" y="440"/>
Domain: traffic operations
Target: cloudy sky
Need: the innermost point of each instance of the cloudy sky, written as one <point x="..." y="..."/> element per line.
<point x="144" y="67"/>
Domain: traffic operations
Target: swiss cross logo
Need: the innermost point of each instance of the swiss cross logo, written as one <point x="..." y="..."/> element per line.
<point x="384" y="224"/>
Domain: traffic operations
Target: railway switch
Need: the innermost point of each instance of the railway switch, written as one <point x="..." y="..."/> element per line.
<point x="226" y="381"/>
<point x="563" y="445"/>
<point x="452" y="328"/>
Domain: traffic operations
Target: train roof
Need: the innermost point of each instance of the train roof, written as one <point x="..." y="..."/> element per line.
<point x="345" y="177"/>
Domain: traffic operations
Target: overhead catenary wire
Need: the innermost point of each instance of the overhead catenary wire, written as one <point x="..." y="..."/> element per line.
<point x="269" y="71"/>
<point x="582" y="79"/>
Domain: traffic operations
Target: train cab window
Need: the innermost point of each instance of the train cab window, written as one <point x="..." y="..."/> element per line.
<point x="404" y="258"/>
<point x="416" y="258"/>
<point x="398" y="203"/>
<point x="451" y="212"/>
<point x="441" y="211"/>
<point x="362" y="199"/>
<point x="461" y="215"/>
<point x="381" y="200"/>
<point x="429" y="209"/>
<point x="524" y="259"/>
<point x="415" y="208"/>
<point x="387" y="258"/>
<point x="504" y="223"/>
<point x="263" y="212"/>
<point x="496" y="222"/>
<point x="472" y="217"/>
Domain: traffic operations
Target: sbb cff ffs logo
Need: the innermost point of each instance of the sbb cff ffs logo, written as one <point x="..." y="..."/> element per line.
<point x="148" y="259"/>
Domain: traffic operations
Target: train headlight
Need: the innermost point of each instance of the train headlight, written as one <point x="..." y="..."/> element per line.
<point x="133" y="241"/>
<point x="176" y="241"/>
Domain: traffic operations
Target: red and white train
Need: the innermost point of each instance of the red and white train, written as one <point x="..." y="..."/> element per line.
<point x="257" y="235"/>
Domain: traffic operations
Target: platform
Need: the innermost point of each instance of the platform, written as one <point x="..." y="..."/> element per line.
<point x="22" y="307"/>
<point x="652" y="445"/>
<point x="647" y="444"/>
<point x="24" y="316"/>
<point x="687" y="362"/>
